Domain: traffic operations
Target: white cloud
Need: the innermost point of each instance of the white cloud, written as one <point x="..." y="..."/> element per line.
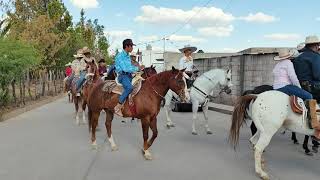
<point x="148" y="38"/>
<point x="186" y="39"/>
<point x="119" y="34"/>
<point x="85" y="4"/>
<point x="259" y="18"/>
<point x="282" y="36"/>
<point x="318" y="19"/>
<point x="216" y="31"/>
<point x="164" y="16"/>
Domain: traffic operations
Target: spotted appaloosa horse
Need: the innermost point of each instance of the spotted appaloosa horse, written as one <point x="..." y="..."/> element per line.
<point x="146" y="105"/>
<point x="315" y="144"/>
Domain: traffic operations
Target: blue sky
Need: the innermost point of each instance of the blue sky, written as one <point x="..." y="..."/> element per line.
<point x="223" y="25"/>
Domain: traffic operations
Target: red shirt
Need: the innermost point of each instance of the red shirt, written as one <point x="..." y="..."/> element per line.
<point x="68" y="71"/>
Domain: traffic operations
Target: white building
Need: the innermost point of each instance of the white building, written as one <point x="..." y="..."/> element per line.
<point x="150" y="57"/>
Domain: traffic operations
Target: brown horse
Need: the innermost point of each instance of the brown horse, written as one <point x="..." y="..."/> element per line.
<point x="67" y="89"/>
<point x="77" y="100"/>
<point x="93" y="77"/>
<point x="146" y="105"/>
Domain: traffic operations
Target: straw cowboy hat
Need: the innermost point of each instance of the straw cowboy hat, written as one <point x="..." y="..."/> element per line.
<point x="312" y="40"/>
<point x="186" y="47"/>
<point x="79" y="54"/>
<point x="86" y="50"/>
<point x="284" y="54"/>
<point x="68" y="64"/>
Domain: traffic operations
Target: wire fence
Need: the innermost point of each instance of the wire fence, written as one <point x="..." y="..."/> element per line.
<point x="31" y="86"/>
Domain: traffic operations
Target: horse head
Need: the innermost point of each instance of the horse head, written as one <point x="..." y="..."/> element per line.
<point x="225" y="82"/>
<point x="149" y="71"/>
<point x="92" y="71"/>
<point x="177" y="83"/>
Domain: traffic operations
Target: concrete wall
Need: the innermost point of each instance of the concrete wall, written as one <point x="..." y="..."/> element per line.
<point x="248" y="71"/>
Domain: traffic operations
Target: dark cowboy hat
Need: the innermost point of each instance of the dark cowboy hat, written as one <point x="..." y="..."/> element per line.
<point x="127" y="42"/>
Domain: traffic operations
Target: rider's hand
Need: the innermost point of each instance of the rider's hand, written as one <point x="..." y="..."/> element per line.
<point x="141" y="67"/>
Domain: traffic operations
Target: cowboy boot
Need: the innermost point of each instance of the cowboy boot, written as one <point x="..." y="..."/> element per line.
<point x="313" y="114"/>
<point x="118" y="109"/>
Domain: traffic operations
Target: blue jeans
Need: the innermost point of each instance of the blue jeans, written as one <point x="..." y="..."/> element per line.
<point x="125" y="80"/>
<point x="81" y="80"/>
<point x="111" y="69"/>
<point x="295" y="90"/>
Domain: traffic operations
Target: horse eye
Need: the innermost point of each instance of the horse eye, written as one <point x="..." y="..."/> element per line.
<point x="228" y="79"/>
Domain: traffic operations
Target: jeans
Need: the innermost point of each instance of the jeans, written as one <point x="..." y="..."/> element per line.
<point x="111" y="69"/>
<point x="81" y="80"/>
<point x="295" y="90"/>
<point x="125" y="80"/>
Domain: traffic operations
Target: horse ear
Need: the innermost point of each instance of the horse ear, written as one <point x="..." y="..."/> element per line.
<point x="228" y="70"/>
<point x="92" y="61"/>
<point x="173" y="68"/>
<point x="183" y="69"/>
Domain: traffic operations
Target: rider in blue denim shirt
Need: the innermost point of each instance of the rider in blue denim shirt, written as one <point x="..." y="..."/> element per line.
<point x="124" y="69"/>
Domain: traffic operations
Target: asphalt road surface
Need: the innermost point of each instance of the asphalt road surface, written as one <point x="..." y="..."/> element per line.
<point x="46" y="144"/>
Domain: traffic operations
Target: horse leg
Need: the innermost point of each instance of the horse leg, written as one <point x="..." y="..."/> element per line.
<point x="94" y="122"/>
<point x="153" y="127"/>
<point x="195" y="105"/>
<point x="76" y="103"/>
<point x="205" y="114"/>
<point x="108" y="124"/>
<point x="254" y="139"/>
<point x="145" y="123"/>
<point x="305" y="146"/>
<point x="262" y="143"/>
<point x="315" y="146"/>
<point x="169" y="123"/>
<point x="294" y="138"/>
<point x="84" y="105"/>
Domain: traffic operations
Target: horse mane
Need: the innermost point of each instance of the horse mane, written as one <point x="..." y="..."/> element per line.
<point x="160" y="77"/>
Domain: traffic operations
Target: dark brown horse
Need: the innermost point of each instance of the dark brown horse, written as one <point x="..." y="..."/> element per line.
<point x="146" y="105"/>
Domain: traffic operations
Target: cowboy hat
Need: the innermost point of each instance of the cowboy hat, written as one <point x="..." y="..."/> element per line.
<point x="85" y="50"/>
<point x="283" y="54"/>
<point x="312" y="40"/>
<point x="295" y="53"/>
<point x="68" y="64"/>
<point x="79" y="54"/>
<point x="186" y="47"/>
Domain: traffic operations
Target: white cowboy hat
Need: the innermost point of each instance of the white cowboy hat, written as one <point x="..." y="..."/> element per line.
<point x="295" y="53"/>
<point x="68" y="64"/>
<point x="312" y="39"/>
<point x="79" y="54"/>
<point x="192" y="48"/>
<point x="283" y="54"/>
<point x="85" y="50"/>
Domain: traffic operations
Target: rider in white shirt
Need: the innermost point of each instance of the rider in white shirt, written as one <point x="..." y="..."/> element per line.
<point x="186" y="62"/>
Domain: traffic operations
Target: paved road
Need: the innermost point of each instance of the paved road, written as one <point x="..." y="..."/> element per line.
<point x="45" y="144"/>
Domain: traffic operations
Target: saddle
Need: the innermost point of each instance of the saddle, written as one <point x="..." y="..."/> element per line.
<point x="296" y="104"/>
<point x="112" y="86"/>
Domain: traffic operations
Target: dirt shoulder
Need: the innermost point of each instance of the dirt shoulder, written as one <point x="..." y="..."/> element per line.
<point x="13" y="112"/>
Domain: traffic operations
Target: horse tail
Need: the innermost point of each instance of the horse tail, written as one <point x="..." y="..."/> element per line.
<point x="89" y="119"/>
<point x="238" y="118"/>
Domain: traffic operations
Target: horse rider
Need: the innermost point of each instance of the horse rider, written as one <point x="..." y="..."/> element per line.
<point x="186" y="62"/>
<point x="124" y="69"/>
<point x="68" y="73"/>
<point x="307" y="67"/>
<point x="102" y="66"/>
<point x="75" y="66"/>
<point x="83" y="67"/>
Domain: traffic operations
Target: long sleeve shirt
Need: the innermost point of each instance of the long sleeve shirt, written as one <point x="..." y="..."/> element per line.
<point x="123" y="63"/>
<point x="284" y="74"/>
<point x="307" y="66"/>
<point x="186" y="62"/>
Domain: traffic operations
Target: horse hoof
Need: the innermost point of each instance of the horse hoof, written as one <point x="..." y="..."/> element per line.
<point x="172" y="125"/>
<point x="123" y="121"/>
<point x="209" y="132"/>
<point x="315" y="149"/>
<point x="147" y="155"/>
<point x="309" y="153"/>
<point x="94" y="146"/>
<point x="263" y="176"/>
<point x="194" y="133"/>
<point x="168" y="126"/>
<point x="297" y="143"/>
<point x="114" y="148"/>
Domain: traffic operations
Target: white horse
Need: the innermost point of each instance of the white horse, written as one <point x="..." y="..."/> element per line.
<point x="200" y="92"/>
<point x="270" y="111"/>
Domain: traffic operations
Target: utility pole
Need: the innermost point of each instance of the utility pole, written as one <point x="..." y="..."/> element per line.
<point x="164" y="50"/>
